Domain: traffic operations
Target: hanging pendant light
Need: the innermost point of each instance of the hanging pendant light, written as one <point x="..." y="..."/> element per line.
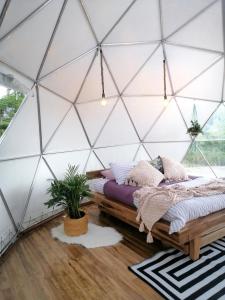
<point x="166" y="101"/>
<point x="103" y="101"/>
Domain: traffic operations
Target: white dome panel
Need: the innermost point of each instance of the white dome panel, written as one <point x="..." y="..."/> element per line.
<point x="22" y="136"/>
<point x="169" y="127"/>
<point x="59" y="162"/>
<point x="124" y="61"/>
<point x="116" y="154"/>
<point x="176" y="150"/>
<point x="94" y="115"/>
<point x="69" y="135"/>
<point x="17" y="13"/>
<point x="20" y="172"/>
<point x="67" y="80"/>
<point x="103" y="19"/>
<point x="24" y="48"/>
<point x="53" y="109"/>
<point x="73" y="37"/>
<point x="118" y="130"/>
<point x="207" y="29"/>
<point x="144" y="111"/>
<point x="136" y="26"/>
<point x="39" y="196"/>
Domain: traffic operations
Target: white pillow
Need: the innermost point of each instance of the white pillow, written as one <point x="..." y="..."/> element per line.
<point x="144" y="174"/>
<point x="121" y="170"/>
<point x="173" y="170"/>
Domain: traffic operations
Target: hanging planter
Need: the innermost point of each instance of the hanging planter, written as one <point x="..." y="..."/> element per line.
<point x="195" y="129"/>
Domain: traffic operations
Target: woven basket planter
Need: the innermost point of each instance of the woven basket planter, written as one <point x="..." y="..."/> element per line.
<point x="76" y="227"/>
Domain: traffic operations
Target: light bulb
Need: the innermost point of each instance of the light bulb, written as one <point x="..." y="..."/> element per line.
<point x="165" y="102"/>
<point x="103" y="101"/>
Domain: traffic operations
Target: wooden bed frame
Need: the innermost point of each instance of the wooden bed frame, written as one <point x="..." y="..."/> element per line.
<point x="190" y="239"/>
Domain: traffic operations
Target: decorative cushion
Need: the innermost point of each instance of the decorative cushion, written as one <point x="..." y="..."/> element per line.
<point x="173" y="170"/>
<point x="107" y="174"/>
<point x="157" y="163"/>
<point x="144" y="175"/>
<point x="121" y="170"/>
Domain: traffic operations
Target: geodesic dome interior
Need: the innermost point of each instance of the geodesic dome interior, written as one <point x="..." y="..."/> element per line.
<point x="52" y="48"/>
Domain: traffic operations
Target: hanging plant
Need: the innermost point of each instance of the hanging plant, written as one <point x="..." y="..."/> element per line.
<point x="194" y="129"/>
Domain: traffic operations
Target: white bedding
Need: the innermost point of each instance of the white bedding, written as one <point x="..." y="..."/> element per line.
<point x="97" y="184"/>
<point x="187" y="210"/>
<point x="184" y="211"/>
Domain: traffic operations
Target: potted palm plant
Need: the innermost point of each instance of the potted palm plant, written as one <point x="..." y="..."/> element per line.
<point x="194" y="129"/>
<point x="68" y="193"/>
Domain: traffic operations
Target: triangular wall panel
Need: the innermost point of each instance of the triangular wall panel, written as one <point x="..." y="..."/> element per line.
<point x="108" y="155"/>
<point x="175" y="150"/>
<point x="69" y="135"/>
<point x="92" y="88"/>
<point x="24" y="48"/>
<point x="103" y="19"/>
<point x="94" y="115"/>
<point x="183" y="10"/>
<point x="142" y="154"/>
<point x="73" y="37"/>
<point x="20" y="172"/>
<point x="22" y="135"/>
<point x="203" y="88"/>
<point x="135" y="25"/>
<point x="7" y="231"/>
<point x="195" y="163"/>
<point x="39" y="196"/>
<point x="67" y="80"/>
<point x="149" y="81"/>
<point x="144" y="111"/>
<point x="169" y="127"/>
<point x="16" y="13"/>
<point x="204" y="109"/>
<point x="59" y="162"/>
<point x="93" y="163"/>
<point x="185" y="64"/>
<point x="131" y="57"/>
<point x="53" y="110"/>
<point x="207" y="29"/>
<point x="118" y="130"/>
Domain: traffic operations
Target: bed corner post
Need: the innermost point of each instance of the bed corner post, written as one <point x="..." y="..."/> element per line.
<point x="195" y="248"/>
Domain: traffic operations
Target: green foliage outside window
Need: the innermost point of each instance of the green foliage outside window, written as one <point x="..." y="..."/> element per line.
<point x="9" y="105"/>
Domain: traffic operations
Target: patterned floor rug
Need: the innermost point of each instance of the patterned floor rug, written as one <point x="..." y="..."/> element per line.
<point x="175" y="276"/>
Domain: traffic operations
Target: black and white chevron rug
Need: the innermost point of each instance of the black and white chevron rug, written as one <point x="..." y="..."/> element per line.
<point x="175" y="276"/>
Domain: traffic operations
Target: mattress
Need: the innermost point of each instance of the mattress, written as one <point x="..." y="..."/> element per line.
<point x="179" y="214"/>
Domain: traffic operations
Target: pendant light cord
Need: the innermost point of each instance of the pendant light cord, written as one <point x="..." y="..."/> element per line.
<point x="102" y="73"/>
<point x="164" y="78"/>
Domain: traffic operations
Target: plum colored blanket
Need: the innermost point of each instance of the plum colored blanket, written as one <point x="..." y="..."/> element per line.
<point x="124" y="193"/>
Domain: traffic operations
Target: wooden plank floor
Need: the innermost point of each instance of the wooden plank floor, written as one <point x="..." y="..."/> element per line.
<point x="40" y="268"/>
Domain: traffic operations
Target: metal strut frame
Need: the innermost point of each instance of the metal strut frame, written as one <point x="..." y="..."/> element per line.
<point x="120" y="94"/>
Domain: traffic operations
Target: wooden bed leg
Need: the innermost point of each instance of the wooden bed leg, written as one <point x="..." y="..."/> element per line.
<point x="195" y="248"/>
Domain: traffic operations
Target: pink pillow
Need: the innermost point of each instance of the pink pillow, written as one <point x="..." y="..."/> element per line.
<point x="108" y="174"/>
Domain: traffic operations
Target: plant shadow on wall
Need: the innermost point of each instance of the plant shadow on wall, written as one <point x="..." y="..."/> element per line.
<point x="69" y="193"/>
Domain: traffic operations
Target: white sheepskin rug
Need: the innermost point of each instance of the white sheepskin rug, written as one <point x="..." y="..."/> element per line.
<point x="97" y="236"/>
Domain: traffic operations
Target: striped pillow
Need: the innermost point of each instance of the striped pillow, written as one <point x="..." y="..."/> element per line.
<point x="121" y="170"/>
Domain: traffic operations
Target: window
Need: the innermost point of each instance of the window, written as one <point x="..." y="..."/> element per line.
<point x="211" y="146"/>
<point x="10" y="101"/>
